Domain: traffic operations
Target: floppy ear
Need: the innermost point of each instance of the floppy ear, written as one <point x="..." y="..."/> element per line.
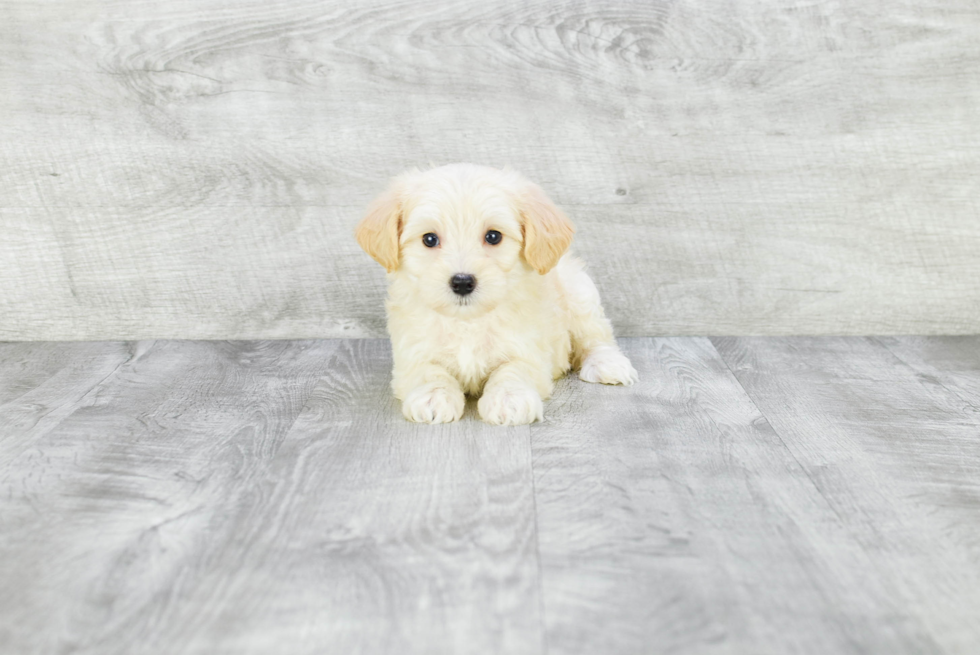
<point x="547" y="231"/>
<point x="378" y="231"/>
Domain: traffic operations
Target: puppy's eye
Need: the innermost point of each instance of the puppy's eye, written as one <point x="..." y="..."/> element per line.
<point x="493" y="237"/>
<point x="430" y="240"/>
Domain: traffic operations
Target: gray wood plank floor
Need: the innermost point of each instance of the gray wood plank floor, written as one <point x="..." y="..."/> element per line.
<point x="748" y="495"/>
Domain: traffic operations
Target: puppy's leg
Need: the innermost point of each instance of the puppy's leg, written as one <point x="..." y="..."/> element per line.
<point x="429" y="394"/>
<point x="594" y="349"/>
<point x="513" y="393"/>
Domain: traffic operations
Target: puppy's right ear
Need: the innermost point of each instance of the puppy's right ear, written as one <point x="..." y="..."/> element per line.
<point x="547" y="231"/>
<point x="378" y="231"/>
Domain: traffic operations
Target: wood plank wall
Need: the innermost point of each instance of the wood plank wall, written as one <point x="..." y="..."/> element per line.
<point x="194" y="168"/>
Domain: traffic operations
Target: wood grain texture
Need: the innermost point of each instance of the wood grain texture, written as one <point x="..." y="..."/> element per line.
<point x="43" y="383"/>
<point x="262" y="497"/>
<point x="112" y="515"/>
<point x="896" y="457"/>
<point x="392" y="537"/>
<point x="677" y="517"/>
<point x="194" y="169"/>
<point x="784" y="496"/>
<point x="951" y="363"/>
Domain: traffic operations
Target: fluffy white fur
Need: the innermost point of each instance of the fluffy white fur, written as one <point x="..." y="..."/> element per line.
<point x="533" y="315"/>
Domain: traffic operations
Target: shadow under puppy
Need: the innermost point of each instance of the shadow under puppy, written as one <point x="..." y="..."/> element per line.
<point x="482" y="297"/>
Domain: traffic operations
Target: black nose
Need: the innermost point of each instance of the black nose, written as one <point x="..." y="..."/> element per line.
<point x="463" y="283"/>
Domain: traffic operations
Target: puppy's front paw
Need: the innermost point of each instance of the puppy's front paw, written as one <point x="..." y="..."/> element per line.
<point x="433" y="403"/>
<point x="503" y="404"/>
<point x="607" y="365"/>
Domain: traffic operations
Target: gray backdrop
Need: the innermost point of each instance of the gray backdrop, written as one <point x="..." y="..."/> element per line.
<point x="195" y="168"/>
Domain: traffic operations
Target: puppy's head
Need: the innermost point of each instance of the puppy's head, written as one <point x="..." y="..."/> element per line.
<point x="462" y="236"/>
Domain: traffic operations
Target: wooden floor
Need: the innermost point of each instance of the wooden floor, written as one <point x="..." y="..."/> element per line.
<point x="749" y="495"/>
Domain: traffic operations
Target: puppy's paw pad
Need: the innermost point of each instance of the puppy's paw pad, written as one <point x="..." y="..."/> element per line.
<point x="608" y="366"/>
<point x="510" y="405"/>
<point x="434" y="404"/>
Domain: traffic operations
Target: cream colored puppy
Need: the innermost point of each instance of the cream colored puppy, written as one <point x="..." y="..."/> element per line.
<point x="482" y="297"/>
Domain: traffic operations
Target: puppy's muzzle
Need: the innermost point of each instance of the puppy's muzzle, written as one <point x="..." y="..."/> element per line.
<point x="462" y="284"/>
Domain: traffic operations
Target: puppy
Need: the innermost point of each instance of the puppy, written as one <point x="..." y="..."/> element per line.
<point x="482" y="298"/>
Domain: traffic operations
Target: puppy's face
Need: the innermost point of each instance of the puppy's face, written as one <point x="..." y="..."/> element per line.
<point x="460" y="243"/>
<point x="462" y="236"/>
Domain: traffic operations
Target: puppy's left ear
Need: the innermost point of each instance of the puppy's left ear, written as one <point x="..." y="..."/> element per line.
<point x="547" y="231"/>
<point x="378" y="231"/>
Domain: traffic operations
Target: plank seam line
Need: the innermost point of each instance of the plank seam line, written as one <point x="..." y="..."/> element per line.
<point x="917" y="373"/>
<point x="789" y="450"/>
<point x="288" y="430"/>
<point x="132" y="357"/>
<point x="80" y="398"/>
<point x="543" y="623"/>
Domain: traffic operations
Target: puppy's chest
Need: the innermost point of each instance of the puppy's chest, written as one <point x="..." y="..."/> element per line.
<point x="471" y="352"/>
